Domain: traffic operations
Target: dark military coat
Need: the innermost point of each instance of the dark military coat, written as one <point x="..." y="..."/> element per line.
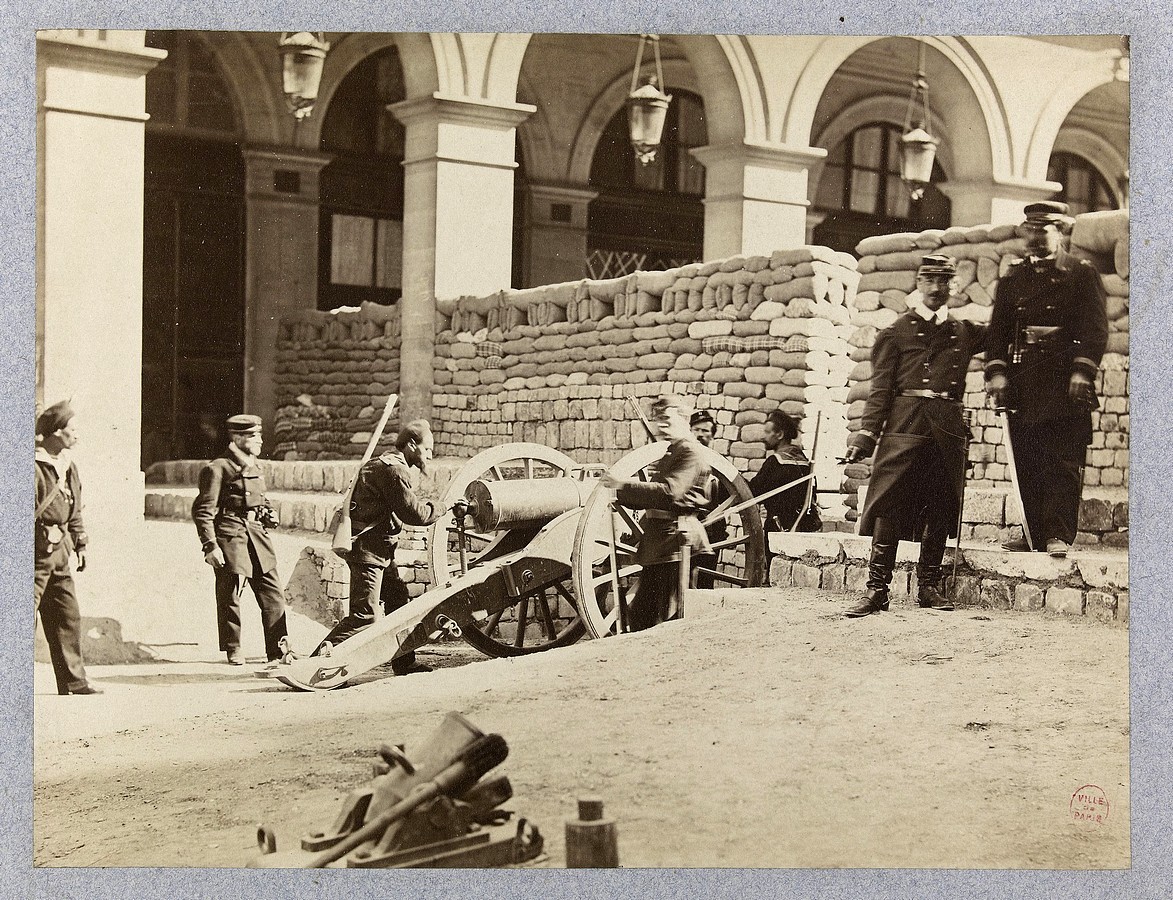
<point x="779" y="468"/>
<point x="1036" y="297"/>
<point x="383" y="501"/>
<point x="920" y="464"/>
<point x="232" y="491"/>
<point x="678" y="486"/>
<point x="59" y="529"/>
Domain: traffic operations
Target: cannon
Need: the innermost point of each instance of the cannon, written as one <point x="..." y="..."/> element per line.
<point x="544" y="557"/>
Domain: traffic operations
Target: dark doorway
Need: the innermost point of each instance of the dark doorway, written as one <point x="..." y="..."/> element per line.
<point x="193" y="295"/>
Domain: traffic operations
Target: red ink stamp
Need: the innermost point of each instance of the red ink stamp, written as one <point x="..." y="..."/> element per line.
<point x="1090" y="804"/>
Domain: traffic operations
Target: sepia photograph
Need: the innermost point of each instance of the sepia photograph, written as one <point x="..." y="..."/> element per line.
<point x="581" y="451"/>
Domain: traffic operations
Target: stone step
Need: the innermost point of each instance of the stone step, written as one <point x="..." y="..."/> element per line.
<point x="1091" y="582"/>
<point x="311" y="476"/>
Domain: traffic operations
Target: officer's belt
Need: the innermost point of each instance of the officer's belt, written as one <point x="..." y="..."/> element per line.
<point x="659" y="514"/>
<point x="931" y="395"/>
<point x="243" y="512"/>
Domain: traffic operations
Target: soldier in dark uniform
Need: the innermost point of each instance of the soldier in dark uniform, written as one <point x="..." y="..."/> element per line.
<point x="918" y="381"/>
<point x="58" y="535"/>
<point x="674" y="496"/>
<point x="703" y="429"/>
<point x="232" y="515"/>
<point x="784" y="463"/>
<point x="383" y="501"/>
<point x="1046" y="338"/>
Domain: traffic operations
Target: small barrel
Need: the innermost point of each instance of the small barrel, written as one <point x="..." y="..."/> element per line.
<point x="591" y="841"/>
<point x="524" y="502"/>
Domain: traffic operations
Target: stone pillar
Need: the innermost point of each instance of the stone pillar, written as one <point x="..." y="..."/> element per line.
<point x="458" y="220"/>
<point x="281" y="260"/>
<point x="755" y="196"/>
<point x="556" y="236"/>
<point x="91" y="106"/>
<point x="994" y="201"/>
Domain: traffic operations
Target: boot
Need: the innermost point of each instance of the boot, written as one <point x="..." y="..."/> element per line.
<point x="928" y="572"/>
<point x="880" y="565"/>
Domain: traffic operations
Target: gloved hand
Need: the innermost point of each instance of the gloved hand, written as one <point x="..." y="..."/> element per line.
<point x="460" y="508"/>
<point x="854" y="454"/>
<point x="996" y="386"/>
<point x="81" y="561"/>
<point x="215" y="558"/>
<point x="1079" y="389"/>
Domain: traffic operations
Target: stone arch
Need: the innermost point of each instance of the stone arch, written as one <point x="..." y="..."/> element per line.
<point x="965" y="81"/>
<point x="257" y="101"/>
<point x="1076" y="87"/>
<point x="420" y="70"/>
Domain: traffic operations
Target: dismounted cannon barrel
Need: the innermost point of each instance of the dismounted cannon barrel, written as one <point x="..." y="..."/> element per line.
<point x="524" y="503"/>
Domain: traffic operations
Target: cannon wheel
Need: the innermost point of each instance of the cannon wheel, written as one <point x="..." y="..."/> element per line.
<point x="607" y="533"/>
<point x="506" y="462"/>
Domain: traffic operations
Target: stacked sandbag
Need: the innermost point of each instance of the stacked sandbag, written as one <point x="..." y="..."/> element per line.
<point x="334" y="372"/>
<point x="743" y="336"/>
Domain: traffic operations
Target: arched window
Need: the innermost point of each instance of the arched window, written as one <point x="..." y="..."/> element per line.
<point x="361" y="189"/>
<point x="185" y="90"/>
<point x="648" y="217"/>
<point x="862" y="194"/>
<point x="1084" y="188"/>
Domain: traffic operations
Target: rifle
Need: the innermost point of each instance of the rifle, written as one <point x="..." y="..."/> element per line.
<point x="343" y="540"/>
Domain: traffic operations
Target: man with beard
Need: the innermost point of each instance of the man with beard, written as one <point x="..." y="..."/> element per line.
<point x="1047" y="334"/>
<point x="918" y="381"/>
<point x="383" y="501"/>
<point x="232" y="517"/>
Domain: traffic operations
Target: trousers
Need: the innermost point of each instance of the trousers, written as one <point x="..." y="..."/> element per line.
<point x="375" y="590"/>
<point x="56" y="603"/>
<point x="267" y="591"/>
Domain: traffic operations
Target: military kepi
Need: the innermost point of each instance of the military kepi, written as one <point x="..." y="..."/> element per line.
<point x="1047" y="212"/>
<point x="937" y="264"/>
<point x="54" y="418"/>
<point x="244" y="424"/>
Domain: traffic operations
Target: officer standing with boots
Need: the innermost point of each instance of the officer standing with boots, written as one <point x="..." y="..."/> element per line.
<point x="383" y="501"/>
<point x="914" y="411"/>
<point x="1047" y="334"/>
<point x="232" y="517"/>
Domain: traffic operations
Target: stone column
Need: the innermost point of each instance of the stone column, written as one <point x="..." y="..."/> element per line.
<point x="556" y="237"/>
<point x="994" y="201"/>
<point x="281" y="260"/>
<point x="457" y="223"/>
<point x="91" y="106"/>
<point x="755" y="196"/>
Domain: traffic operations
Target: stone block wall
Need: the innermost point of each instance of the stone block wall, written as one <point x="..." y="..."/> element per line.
<point x="887" y="267"/>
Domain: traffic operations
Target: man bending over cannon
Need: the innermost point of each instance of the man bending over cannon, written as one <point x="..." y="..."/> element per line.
<point x="918" y="381"/>
<point x="675" y="494"/>
<point x="383" y="501"/>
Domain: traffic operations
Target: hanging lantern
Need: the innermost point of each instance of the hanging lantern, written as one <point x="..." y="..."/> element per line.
<point x="918" y="148"/>
<point x="647" y="106"/>
<point x="303" y="54"/>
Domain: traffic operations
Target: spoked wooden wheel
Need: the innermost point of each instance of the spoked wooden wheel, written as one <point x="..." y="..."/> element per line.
<point x="539" y="621"/>
<point x="603" y="563"/>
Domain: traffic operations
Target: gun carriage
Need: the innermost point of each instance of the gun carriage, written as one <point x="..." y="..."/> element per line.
<point x="544" y="556"/>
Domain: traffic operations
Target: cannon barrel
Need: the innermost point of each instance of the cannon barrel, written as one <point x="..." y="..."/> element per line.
<point x="524" y="503"/>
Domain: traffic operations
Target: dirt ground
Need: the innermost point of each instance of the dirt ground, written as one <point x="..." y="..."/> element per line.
<point x="762" y="731"/>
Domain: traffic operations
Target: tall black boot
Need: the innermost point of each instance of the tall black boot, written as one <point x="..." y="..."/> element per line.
<point x="928" y="570"/>
<point x="880" y="565"/>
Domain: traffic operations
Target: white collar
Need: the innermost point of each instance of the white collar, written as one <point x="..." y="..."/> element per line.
<point x="916" y="304"/>
<point x="60" y="462"/>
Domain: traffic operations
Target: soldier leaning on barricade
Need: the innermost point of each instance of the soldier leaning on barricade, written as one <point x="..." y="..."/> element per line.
<point x="914" y="411"/>
<point x="674" y="496"/>
<point x="383" y="501"/>
<point x="1047" y="334"/>
<point x="59" y="534"/>
<point x="232" y="517"/>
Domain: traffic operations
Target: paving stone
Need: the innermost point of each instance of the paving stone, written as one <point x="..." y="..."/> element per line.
<point x="1098" y="572"/>
<point x="1068" y="601"/>
<point x="803" y="575"/>
<point x="1028" y="597"/>
<point x="995" y="594"/>
<point x="1101" y="606"/>
<point x="986" y="507"/>
<point x="834" y="577"/>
